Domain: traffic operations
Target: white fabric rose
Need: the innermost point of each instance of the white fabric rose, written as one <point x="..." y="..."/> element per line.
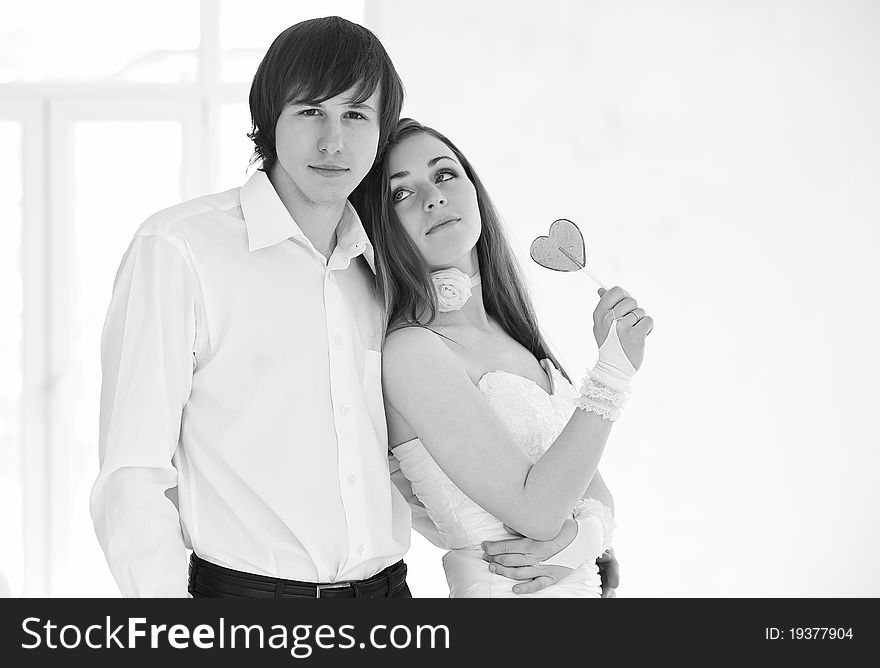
<point x="453" y="288"/>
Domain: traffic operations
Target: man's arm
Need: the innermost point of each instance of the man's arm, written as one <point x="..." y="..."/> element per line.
<point x="147" y="364"/>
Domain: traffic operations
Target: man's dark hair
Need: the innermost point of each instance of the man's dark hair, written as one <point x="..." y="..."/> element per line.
<point x="313" y="61"/>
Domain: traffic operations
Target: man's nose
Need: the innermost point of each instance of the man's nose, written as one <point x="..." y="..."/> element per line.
<point x="331" y="141"/>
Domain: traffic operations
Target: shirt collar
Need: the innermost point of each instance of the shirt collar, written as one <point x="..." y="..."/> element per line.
<point x="269" y="222"/>
<point x="351" y="237"/>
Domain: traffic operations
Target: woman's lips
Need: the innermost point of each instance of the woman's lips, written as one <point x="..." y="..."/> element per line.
<point x="443" y="224"/>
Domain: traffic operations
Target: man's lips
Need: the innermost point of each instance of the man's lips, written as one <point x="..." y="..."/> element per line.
<point x="329" y="170"/>
<point x="450" y="219"/>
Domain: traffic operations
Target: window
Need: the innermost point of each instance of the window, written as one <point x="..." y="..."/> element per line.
<point x="153" y="112"/>
<point x="11" y="357"/>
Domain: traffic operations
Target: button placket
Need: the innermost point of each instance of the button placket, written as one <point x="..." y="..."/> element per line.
<point x="345" y="379"/>
<point x="332" y="323"/>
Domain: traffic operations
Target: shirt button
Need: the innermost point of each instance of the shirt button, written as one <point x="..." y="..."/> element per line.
<point x="344" y="410"/>
<point x="337" y="340"/>
<point x="351" y="480"/>
<point x="361" y="549"/>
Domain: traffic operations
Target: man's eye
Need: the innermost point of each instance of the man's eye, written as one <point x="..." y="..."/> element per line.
<point x="357" y="116"/>
<point x="309" y="112"/>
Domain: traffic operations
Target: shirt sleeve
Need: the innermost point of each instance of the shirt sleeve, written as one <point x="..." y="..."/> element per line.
<point x="147" y="364"/>
<point x="420" y="520"/>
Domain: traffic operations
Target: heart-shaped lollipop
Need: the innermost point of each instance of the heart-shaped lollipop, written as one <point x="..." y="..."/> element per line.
<point x="562" y="249"/>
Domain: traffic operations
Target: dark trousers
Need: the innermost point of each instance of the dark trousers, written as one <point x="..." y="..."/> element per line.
<point x="207" y="580"/>
<point x="400" y="593"/>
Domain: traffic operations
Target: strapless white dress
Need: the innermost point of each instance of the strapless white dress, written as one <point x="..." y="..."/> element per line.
<point x="535" y="418"/>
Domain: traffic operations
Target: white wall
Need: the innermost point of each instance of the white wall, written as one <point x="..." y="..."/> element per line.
<point x="722" y="160"/>
<point x="721" y="157"/>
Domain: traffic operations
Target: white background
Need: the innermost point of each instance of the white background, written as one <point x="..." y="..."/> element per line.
<point x="721" y="158"/>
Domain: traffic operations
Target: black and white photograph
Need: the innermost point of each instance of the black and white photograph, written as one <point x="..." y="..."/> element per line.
<point x="473" y="299"/>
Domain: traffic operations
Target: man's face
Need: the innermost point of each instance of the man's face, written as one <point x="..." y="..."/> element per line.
<point x="325" y="150"/>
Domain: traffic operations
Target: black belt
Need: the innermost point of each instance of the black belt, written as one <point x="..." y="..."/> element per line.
<point x="213" y="581"/>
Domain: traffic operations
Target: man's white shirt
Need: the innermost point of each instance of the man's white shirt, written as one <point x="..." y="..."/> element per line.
<point x="241" y="403"/>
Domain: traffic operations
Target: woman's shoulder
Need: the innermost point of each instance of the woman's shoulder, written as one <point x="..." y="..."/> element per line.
<point x="410" y="343"/>
<point x="416" y="356"/>
<point x="405" y="334"/>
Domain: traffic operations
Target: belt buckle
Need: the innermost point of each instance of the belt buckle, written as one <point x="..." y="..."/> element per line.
<point x="332" y="585"/>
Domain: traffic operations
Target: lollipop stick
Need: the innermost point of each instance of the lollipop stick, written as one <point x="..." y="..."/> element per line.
<point x="577" y="263"/>
<point x="601" y="284"/>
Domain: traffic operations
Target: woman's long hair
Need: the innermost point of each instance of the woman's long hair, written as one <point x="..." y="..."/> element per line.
<point x="402" y="276"/>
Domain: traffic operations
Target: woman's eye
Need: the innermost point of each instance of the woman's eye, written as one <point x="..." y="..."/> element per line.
<point x="400" y="195"/>
<point x="445" y="175"/>
<point x="357" y="116"/>
<point x="309" y="112"/>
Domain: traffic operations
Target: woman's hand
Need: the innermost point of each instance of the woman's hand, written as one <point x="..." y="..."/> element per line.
<point x="609" y="571"/>
<point x="633" y="324"/>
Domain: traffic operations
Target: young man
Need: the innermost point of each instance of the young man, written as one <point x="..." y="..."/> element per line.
<point x="241" y="405"/>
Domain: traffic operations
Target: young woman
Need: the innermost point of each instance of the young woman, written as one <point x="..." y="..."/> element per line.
<point x="484" y="422"/>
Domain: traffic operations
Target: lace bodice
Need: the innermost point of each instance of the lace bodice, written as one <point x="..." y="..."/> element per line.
<point x="535" y="418"/>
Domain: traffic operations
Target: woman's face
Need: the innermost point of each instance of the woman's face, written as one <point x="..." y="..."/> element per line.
<point x="435" y="201"/>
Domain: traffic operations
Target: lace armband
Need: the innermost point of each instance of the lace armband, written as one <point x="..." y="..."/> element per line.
<point x="592" y="508"/>
<point x="599" y="398"/>
<point x="595" y="533"/>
